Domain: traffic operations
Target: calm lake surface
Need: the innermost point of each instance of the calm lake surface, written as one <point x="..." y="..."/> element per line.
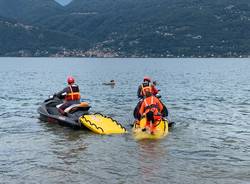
<point x="209" y="99"/>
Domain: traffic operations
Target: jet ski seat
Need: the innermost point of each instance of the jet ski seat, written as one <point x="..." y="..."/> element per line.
<point x="74" y="107"/>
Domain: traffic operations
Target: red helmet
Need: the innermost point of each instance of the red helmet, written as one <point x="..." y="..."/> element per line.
<point x="70" y="80"/>
<point x="147" y="79"/>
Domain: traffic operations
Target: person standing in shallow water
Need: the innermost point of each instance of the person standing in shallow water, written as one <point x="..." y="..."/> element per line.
<point x="70" y="94"/>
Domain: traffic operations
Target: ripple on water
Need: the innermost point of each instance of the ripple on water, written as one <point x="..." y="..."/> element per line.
<point x="209" y="103"/>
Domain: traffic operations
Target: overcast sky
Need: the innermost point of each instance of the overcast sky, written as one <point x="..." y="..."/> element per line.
<point x="63" y="2"/>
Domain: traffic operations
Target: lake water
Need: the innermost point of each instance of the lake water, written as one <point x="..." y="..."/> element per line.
<point x="209" y="99"/>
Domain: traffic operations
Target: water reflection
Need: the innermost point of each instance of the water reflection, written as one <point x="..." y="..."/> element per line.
<point x="151" y="153"/>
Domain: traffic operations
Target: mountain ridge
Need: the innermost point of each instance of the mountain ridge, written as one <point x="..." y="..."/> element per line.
<point x="34" y="41"/>
<point x="146" y="28"/>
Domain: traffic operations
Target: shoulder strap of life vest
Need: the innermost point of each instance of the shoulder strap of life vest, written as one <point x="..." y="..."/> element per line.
<point x="145" y="88"/>
<point x="71" y="92"/>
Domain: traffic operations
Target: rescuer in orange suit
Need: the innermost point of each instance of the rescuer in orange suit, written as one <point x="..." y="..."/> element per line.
<point x="151" y="108"/>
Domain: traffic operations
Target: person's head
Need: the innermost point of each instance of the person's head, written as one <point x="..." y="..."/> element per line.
<point x="70" y="80"/>
<point x="146" y="79"/>
<point x="112" y="81"/>
<point x="155" y="83"/>
<point x="148" y="94"/>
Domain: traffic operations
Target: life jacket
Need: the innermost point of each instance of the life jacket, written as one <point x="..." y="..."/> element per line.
<point x="73" y="93"/>
<point x="151" y="105"/>
<point x="152" y="110"/>
<point x="146" y="88"/>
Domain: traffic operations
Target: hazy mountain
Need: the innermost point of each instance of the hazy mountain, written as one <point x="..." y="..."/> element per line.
<point x="29" y="10"/>
<point x="21" y="39"/>
<point x="160" y="27"/>
<point x="154" y="28"/>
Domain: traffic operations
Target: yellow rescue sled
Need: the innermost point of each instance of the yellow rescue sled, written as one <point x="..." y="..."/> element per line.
<point x="141" y="132"/>
<point x="101" y="124"/>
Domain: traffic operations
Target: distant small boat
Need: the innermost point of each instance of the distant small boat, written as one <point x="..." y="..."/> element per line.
<point x="112" y="82"/>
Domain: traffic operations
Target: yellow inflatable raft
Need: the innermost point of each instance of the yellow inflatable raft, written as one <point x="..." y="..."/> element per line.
<point x="141" y="132"/>
<point x="101" y="124"/>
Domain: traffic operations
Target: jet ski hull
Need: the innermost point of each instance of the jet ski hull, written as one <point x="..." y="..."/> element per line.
<point x="49" y="113"/>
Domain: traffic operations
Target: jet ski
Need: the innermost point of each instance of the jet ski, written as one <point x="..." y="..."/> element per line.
<point x="160" y="127"/>
<point x="49" y="112"/>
